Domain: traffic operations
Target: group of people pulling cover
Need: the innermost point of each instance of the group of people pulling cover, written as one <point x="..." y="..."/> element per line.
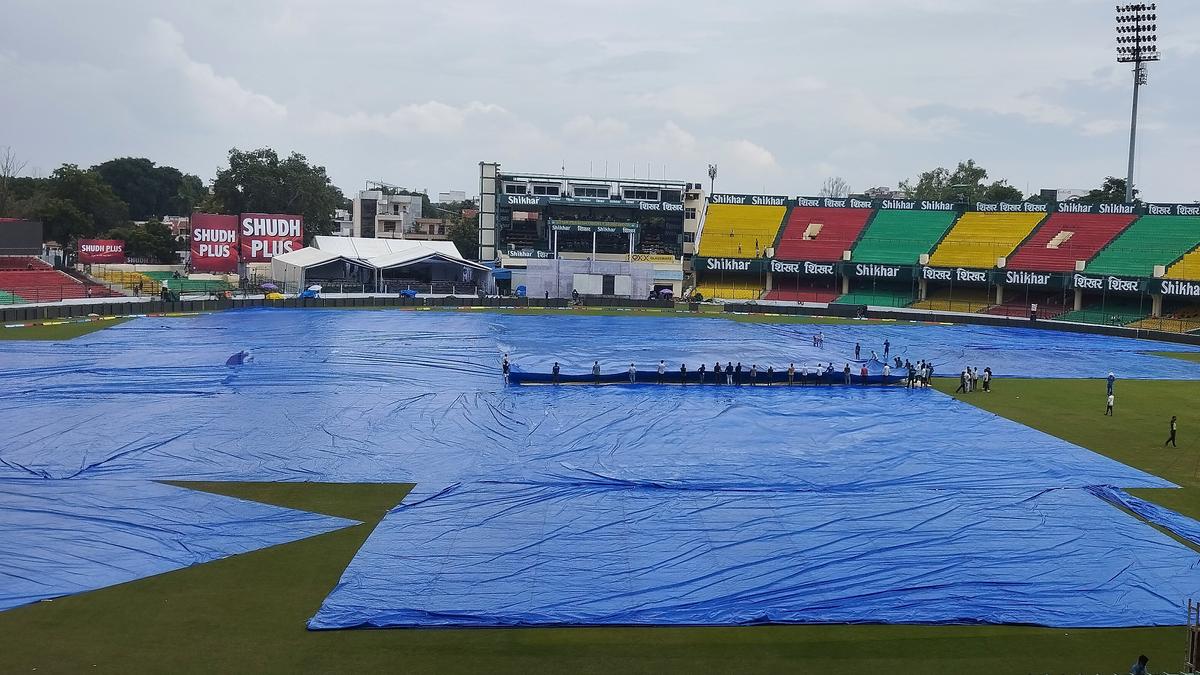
<point x="736" y="374"/>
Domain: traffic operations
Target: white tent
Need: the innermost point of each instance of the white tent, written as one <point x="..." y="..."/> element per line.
<point x="376" y="254"/>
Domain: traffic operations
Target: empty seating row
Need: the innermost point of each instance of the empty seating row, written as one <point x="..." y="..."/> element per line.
<point x="740" y="231"/>
<point x="23" y="262"/>
<point x="48" y="286"/>
<point x="979" y="239"/>
<point x="958" y="300"/>
<point x="1065" y="238"/>
<point x="820" y="234"/>
<point x="877" y="297"/>
<point x="729" y="289"/>
<point x="1187" y="267"/>
<point x="902" y="237"/>
<point x="794" y="290"/>
<point x="1149" y="241"/>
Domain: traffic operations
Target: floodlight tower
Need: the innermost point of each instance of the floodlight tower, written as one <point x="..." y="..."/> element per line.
<point x="1137" y="26"/>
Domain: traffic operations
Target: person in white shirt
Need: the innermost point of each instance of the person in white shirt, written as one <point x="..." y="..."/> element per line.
<point x="632" y="374"/>
<point x="1108" y="411"/>
<point x="662" y="371"/>
<point x="803" y="374"/>
<point x="887" y="371"/>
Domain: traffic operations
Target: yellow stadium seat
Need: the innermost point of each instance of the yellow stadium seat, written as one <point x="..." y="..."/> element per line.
<point x="978" y="239"/>
<point x="729" y="290"/>
<point x="737" y="231"/>
<point x="1188" y="267"/>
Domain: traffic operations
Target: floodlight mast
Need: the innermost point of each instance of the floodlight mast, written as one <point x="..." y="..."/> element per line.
<point x="1137" y="26"/>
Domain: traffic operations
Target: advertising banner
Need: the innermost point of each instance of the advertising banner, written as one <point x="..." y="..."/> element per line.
<point x="1173" y="209"/>
<point x="879" y="271"/>
<point x="956" y="275"/>
<point x="266" y="235"/>
<point x="1024" y="278"/>
<point x="1006" y="207"/>
<point x="214" y="243"/>
<point x="804" y="268"/>
<point x="101" y="251"/>
<point x="704" y="265"/>
<point x="748" y="200"/>
<point x="1108" y="283"/>
<point x="835" y="202"/>
<point x="1176" y="288"/>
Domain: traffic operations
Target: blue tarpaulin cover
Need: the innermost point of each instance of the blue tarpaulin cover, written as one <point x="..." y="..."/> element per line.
<point x="63" y="537"/>
<point x="669" y="501"/>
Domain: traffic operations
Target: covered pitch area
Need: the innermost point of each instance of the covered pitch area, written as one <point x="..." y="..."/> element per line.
<point x="545" y="506"/>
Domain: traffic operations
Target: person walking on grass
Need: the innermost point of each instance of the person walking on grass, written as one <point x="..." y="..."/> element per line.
<point x="596" y="372"/>
<point x="1111" y="379"/>
<point x="662" y="370"/>
<point x="1171" y="438"/>
<point x="975" y="379"/>
<point x="987" y="380"/>
<point x="1108" y="410"/>
<point x="962" y="382"/>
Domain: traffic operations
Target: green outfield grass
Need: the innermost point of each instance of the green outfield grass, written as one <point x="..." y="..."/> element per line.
<point x="58" y="331"/>
<point x="247" y="613"/>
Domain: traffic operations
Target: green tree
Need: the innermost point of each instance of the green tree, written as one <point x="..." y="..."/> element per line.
<point x="258" y="181"/>
<point x="72" y="203"/>
<point x="965" y="183"/>
<point x="1112" y="191"/>
<point x="151" y="191"/>
<point x="151" y="240"/>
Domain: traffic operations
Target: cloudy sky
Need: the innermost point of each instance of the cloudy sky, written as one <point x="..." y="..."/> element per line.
<point x="779" y="94"/>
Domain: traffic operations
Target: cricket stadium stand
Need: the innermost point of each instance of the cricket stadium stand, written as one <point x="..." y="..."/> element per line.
<point x="820" y="234"/>
<point x="735" y="231"/>
<point x="902" y="237"/>
<point x="1149" y="241"/>
<point x="1187" y="267"/>
<point x="1065" y="238"/>
<point x="978" y="239"/>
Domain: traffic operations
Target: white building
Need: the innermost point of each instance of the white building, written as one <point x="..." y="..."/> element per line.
<point x="378" y="213"/>
<point x="452" y="196"/>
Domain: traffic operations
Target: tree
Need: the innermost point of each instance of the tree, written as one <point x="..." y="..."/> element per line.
<point x="72" y="203"/>
<point x="1112" y="191"/>
<point x="465" y="235"/>
<point x="965" y="183"/>
<point x="835" y="186"/>
<point x="258" y="181"/>
<point x="151" y="191"/>
<point x="10" y="168"/>
<point x="151" y="240"/>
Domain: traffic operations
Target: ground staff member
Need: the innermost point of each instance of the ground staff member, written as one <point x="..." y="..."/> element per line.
<point x="1171" y="440"/>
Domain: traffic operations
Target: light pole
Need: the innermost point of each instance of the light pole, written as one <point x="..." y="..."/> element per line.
<point x="712" y="177"/>
<point x="1136" y="37"/>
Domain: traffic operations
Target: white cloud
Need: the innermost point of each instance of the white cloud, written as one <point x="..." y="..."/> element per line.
<point x="751" y="155"/>
<point x="220" y="97"/>
<point x="430" y="117"/>
<point x="586" y="126"/>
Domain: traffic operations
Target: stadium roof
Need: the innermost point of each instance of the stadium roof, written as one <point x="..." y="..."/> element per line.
<point x="377" y="253"/>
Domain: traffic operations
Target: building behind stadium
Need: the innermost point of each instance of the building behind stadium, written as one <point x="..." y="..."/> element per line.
<point x="555" y="234"/>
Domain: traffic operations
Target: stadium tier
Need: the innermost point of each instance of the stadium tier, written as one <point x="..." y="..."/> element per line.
<point x="1183" y="320"/>
<point x="1020" y="308"/>
<point x="130" y="280"/>
<point x="740" y="231"/>
<point x="978" y="239"/>
<point x="22" y="262"/>
<point x="1188" y="267"/>
<point x="729" y="289"/>
<point x="1065" y="238"/>
<point x="1149" y="241"/>
<point x="792" y="290"/>
<point x="956" y="300"/>
<point x="820" y="234"/>
<point x="878" y="298"/>
<point x="47" y="286"/>
<point x="901" y="237"/>
<point x="1111" y="313"/>
<point x="187" y="285"/>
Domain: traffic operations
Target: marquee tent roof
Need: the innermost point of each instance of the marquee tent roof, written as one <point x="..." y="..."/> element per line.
<point x="377" y="253"/>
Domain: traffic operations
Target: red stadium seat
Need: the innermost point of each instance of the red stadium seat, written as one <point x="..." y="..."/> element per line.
<point x="48" y="285"/>
<point x="820" y="234"/>
<point x="1065" y="238"/>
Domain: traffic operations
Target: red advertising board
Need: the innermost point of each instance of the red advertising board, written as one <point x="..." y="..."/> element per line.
<point x="266" y="235"/>
<point x="214" y="242"/>
<point x="101" y="251"/>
